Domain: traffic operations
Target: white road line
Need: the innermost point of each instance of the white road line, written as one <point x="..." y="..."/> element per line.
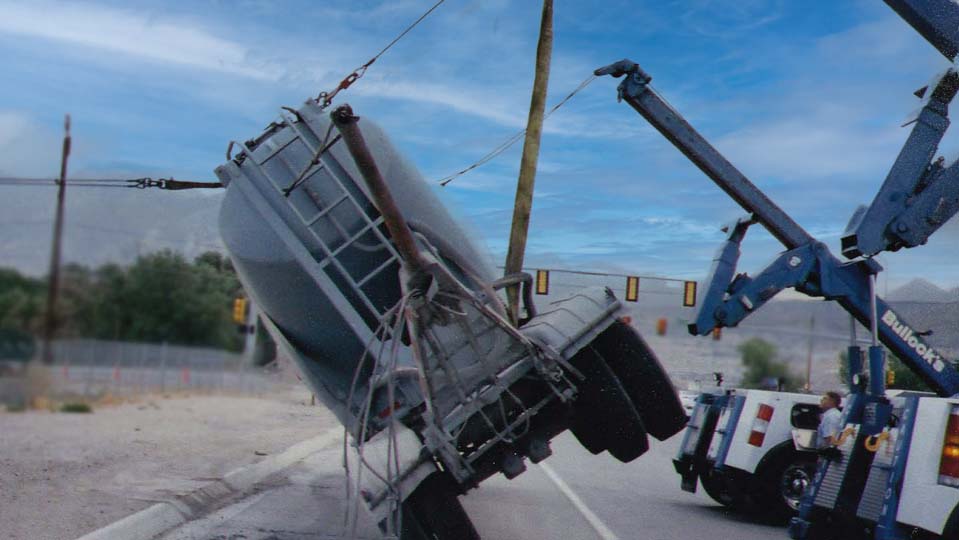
<point x="597" y="524"/>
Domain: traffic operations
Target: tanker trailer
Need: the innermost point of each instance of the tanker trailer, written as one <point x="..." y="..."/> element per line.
<point x="396" y="323"/>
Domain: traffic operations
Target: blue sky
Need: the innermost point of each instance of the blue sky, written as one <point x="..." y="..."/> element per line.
<point x="805" y="97"/>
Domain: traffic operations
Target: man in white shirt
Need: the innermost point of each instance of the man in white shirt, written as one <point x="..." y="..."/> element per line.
<point x="831" y="423"/>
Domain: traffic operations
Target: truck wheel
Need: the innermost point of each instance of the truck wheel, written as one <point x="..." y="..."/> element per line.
<point x="587" y="433"/>
<point x="643" y="378"/>
<point x="713" y="486"/>
<point x="951" y="530"/>
<point x="604" y="417"/>
<point x="433" y="512"/>
<point x="783" y="479"/>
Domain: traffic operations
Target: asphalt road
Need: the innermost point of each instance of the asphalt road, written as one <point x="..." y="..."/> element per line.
<point x="575" y="496"/>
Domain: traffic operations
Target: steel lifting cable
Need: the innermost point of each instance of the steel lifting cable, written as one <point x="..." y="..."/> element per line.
<point x="326" y="98"/>
<point x="389" y="367"/>
<point x="169" y="184"/>
<point x="315" y="160"/>
<point x="505" y="145"/>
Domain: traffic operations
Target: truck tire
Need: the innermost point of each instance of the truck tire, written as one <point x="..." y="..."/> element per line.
<point x="433" y="512"/>
<point x="782" y="478"/>
<point x="604" y="417"/>
<point x="643" y="378"/>
<point x="951" y="530"/>
<point x="715" y="488"/>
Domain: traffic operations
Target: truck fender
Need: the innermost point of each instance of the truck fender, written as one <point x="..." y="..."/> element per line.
<point x="776" y="451"/>
<point x="951" y="530"/>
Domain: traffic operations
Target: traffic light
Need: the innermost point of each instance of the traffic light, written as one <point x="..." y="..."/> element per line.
<point x="689" y="293"/>
<point x="239" y="310"/>
<point x="632" y="288"/>
<point x="542" y="282"/>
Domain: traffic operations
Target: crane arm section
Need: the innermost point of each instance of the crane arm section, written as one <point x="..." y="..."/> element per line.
<point x="807" y="264"/>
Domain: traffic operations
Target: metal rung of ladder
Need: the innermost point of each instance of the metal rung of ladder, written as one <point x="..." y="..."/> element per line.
<point x="306" y="137"/>
<point x="351" y="240"/>
<point x="312" y="221"/>
<point x="376" y="271"/>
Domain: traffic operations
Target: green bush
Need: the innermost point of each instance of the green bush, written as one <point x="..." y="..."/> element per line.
<point x="762" y="368"/>
<point x="75" y="408"/>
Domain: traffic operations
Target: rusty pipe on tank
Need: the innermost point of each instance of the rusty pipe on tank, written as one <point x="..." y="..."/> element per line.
<point x="347" y="123"/>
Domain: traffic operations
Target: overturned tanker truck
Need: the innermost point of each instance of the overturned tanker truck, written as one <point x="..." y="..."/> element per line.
<point x="396" y="323"/>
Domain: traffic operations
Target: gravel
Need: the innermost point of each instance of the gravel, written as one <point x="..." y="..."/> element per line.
<point x="64" y="475"/>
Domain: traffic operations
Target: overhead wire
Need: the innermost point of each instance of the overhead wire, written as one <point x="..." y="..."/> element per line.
<point x="145" y="182"/>
<point x="505" y="145"/>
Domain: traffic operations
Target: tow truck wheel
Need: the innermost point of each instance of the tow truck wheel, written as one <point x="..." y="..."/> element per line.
<point x="433" y="512"/>
<point x="951" y="530"/>
<point x="783" y="479"/>
<point x="793" y="482"/>
<point x="643" y="378"/>
<point x="714" y="487"/>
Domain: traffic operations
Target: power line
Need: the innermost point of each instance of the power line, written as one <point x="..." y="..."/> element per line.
<point x="169" y="184"/>
<point x="326" y="98"/>
<point x="603" y="274"/>
<point x="512" y="140"/>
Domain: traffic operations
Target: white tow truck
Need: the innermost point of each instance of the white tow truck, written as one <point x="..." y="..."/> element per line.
<point x="752" y="450"/>
<point x="895" y="473"/>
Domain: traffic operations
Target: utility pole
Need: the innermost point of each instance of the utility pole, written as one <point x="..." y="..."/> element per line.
<point x="249" y="340"/>
<point x="527" y="170"/>
<point x="812" y="328"/>
<point x="53" y="286"/>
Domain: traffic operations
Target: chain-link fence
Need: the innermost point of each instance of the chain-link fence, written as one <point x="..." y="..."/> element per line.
<point x="91" y="369"/>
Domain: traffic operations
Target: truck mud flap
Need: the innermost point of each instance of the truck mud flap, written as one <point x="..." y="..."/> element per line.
<point x="687" y="473"/>
<point x="604" y="417"/>
<point x="644" y="379"/>
<point x="693" y="464"/>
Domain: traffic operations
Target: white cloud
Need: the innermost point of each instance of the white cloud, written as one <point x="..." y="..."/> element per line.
<point x="26" y="149"/>
<point x="157" y="38"/>
<point x="810" y="147"/>
<point x="455" y="98"/>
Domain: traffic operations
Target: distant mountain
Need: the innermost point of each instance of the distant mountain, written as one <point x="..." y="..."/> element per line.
<point x="105" y="225"/>
<point x="922" y="291"/>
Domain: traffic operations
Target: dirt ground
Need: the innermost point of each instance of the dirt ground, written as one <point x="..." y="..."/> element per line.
<point x="63" y="475"/>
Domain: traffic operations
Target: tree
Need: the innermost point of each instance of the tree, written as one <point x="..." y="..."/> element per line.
<point x="169" y="299"/>
<point x="21" y="301"/>
<point x="161" y="297"/>
<point x="762" y="368"/>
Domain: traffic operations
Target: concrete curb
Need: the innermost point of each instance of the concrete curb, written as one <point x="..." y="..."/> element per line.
<point x="162" y="517"/>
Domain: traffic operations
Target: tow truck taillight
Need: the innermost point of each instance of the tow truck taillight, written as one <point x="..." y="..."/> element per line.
<point x="758" y="432"/>
<point x="949" y="466"/>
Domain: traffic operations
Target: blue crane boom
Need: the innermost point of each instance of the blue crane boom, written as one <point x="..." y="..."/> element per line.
<point x="806" y="265"/>
<point x="918" y="196"/>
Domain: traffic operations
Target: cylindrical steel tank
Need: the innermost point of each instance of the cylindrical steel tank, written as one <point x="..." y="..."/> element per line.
<point x="317" y="258"/>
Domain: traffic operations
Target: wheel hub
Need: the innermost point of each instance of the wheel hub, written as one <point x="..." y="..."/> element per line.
<point x="794" y="481"/>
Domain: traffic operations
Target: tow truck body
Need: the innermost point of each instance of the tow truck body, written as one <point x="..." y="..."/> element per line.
<point x="394" y="321"/>
<point x="866" y="487"/>
<point x="739" y="444"/>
